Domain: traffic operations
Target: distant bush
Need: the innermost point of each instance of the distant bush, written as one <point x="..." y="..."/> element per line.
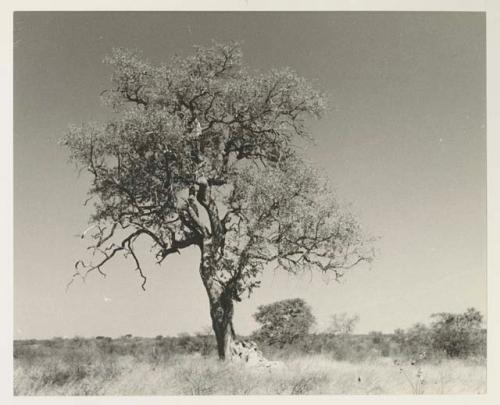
<point x="449" y="335"/>
<point x="458" y="335"/>
<point x="352" y="348"/>
<point x="415" y="340"/>
<point x="283" y="322"/>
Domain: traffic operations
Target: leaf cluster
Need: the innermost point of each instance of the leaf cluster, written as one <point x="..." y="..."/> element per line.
<point x="284" y="322"/>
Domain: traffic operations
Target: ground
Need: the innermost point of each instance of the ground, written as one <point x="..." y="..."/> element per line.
<point x="87" y="371"/>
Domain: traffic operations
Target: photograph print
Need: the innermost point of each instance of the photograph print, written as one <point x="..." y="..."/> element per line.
<point x="249" y="203"/>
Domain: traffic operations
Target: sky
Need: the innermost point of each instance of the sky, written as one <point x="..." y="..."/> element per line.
<point x="404" y="142"/>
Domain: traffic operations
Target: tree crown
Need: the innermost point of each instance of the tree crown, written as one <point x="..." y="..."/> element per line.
<point x="201" y="148"/>
<point x="284" y="321"/>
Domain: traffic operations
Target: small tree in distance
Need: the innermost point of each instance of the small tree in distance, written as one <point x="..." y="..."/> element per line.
<point x="451" y="334"/>
<point x="283" y="322"/>
<point x="201" y="152"/>
<point x="458" y="335"/>
<point x="342" y="324"/>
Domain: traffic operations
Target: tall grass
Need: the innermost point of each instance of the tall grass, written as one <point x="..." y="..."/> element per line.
<point x="143" y="367"/>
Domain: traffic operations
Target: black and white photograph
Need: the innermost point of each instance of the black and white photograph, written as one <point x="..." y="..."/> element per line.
<point x="248" y="203"/>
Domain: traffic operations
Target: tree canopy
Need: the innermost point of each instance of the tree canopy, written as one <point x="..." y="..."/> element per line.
<point x="284" y="321"/>
<point x="202" y="151"/>
<point x="206" y="120"/>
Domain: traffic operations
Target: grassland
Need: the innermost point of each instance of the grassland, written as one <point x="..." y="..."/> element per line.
<point x="140" y="367"/>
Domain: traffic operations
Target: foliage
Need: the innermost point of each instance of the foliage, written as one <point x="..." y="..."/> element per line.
<point x="202" y="151"/>
<point x="415" y="340"/>
<point x="458" y="335"/>
<point x="283" y="322"/>
<point x="452" y="335"/>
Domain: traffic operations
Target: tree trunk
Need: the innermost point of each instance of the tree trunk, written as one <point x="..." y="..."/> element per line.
<point x="221" y="305"/>
<point x="219" y="296"/>
<point x="221" y="312"/>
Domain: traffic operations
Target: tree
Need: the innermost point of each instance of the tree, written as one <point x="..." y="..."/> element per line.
<point x="342" y="324"/>
<point x="458" y="335"/>
<point x="284" y="321"/>
<point x="201" y="152"/>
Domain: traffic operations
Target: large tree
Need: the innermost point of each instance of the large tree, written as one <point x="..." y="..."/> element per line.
<point x="201" y="151"/>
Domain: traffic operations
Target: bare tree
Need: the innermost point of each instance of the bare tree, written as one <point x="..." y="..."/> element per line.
<point x="201" y="152"/>
<point x="343" y="324"/>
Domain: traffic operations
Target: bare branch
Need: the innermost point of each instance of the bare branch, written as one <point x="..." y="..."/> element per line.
<point x="138" y="265"/>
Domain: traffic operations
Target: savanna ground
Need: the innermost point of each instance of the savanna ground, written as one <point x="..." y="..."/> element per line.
<point x="188" y="366"/>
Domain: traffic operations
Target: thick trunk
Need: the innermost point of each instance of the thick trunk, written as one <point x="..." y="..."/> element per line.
<point x="221" y="312"/>
<point x="220" y="297"/>
<point x="221" y="304"/>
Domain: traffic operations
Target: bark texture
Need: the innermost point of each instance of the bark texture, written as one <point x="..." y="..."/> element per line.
<point x="221" y="303"/>
<point x="219" y="296"/>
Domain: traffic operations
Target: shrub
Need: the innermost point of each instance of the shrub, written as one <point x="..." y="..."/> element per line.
<point x="283" y="322"/>
<point x="415" y="340"/>
<point x="458" y="335"/>
<point x="450" y="335"/>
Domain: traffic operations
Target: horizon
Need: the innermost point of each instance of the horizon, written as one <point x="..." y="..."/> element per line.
<point x="313" y="331"/>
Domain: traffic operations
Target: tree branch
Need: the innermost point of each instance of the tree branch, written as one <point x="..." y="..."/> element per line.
<point x="126" y="245"/>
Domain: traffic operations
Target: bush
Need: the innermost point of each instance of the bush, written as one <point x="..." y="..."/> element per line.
<point x="415" y="341"/>
<point x="449" y="335"/>
<point x="458" y="335"/>
<point x="283" y="322"/>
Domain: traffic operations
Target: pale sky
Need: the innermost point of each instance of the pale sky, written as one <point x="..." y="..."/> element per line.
<point x="404" y="142"/>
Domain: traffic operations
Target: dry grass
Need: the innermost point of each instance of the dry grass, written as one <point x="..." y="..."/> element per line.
<point x="86" y="372"/>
